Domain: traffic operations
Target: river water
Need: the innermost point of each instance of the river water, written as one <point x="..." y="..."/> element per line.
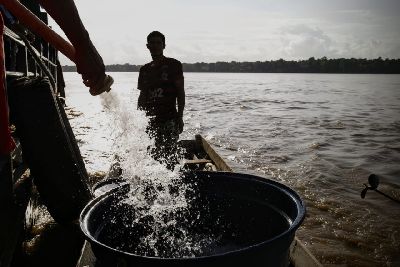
<point x="321" y="134"/>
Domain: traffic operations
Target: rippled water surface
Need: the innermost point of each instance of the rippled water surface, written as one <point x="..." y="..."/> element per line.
<point x="321" y="134"/>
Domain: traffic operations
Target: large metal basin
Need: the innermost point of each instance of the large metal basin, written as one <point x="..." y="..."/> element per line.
<point x="255" y="219"/>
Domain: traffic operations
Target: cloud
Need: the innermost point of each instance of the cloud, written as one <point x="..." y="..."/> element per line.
<point x="394" y="51"/>
<point x="369" y="48"/>
<point x="303" y="41"/>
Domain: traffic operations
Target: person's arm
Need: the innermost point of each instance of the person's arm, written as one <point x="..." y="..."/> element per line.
<point x="67" y="17"/>
<point x="180" y="85"/>
<point x="88" y="61"/>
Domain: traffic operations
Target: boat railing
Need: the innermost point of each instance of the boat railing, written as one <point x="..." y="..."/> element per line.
<point x="24" y="57"/>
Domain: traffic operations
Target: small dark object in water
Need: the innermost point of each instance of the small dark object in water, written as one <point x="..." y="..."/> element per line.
<point x="373" y="181"/>
<point x="254" y="218"/>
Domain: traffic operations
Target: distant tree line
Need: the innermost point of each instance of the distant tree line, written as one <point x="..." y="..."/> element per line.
<point x="110" y="68"/>
<point x="311" y="65"/>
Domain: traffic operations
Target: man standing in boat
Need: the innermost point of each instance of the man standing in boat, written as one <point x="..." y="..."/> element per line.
<point x="162" y="96"/>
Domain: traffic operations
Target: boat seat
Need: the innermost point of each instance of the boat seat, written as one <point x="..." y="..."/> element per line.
<point x="197" y="161"/>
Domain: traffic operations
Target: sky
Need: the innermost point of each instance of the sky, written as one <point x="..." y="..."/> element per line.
<point x="242" y="30"/>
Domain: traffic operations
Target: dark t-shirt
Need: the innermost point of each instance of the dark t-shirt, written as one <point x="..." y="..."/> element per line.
<point x="157" y="82"/>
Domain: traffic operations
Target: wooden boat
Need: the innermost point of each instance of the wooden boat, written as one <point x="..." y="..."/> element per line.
<point x="200" y="155"/>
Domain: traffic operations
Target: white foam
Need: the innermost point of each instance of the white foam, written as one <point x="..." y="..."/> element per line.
<point x="150" y="181"/>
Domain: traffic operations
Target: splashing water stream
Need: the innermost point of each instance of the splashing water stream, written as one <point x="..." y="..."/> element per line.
<point x="157" y="199"/>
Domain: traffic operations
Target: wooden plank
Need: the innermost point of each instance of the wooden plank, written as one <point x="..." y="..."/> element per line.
<point x="218" y="161"/>
<point x="87" y="258"/>
<point x="300" y="256"/>
<point x="197" y="161"/>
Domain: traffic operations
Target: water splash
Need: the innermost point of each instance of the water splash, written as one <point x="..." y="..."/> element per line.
<point x="157" y="195"/>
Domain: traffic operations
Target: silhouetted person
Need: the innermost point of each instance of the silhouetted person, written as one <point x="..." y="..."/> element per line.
<point x="162" y="96"/>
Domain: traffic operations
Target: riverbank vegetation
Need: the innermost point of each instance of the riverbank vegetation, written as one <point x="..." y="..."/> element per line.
<point x="311" y="65"/>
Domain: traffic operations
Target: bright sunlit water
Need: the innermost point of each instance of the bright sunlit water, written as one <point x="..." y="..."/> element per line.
<point x="321" y="134"/>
